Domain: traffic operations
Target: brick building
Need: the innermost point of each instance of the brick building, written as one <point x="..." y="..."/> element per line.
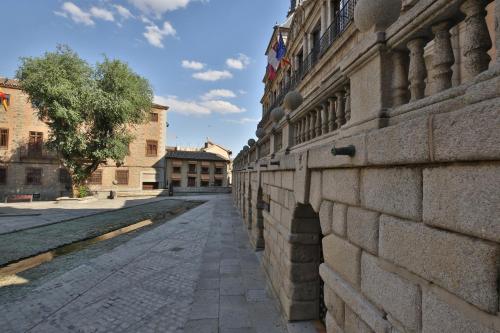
<point x="27" y="167"/>
<point x="199" y="170"/>
<point x="373" y="188"/>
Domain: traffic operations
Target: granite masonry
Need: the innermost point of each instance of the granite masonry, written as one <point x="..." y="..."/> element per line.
<point x="373" y="189"/>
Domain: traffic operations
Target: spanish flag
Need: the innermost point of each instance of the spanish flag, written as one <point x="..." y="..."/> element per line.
<point x="4" y="98"/>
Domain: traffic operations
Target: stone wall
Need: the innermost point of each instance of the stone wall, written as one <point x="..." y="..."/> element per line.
<point x="404" y="234"/>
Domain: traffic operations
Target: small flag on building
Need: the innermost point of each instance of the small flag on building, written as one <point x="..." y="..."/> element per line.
<point x="5" y="100"/>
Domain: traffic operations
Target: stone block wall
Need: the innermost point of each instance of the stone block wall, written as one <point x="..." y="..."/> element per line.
<point x="403" y="236"/>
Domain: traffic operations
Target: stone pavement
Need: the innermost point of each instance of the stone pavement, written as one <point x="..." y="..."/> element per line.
<point x="196" y="273"/>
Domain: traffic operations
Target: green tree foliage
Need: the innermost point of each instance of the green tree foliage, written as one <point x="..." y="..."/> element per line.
<point x="89" y="109"/>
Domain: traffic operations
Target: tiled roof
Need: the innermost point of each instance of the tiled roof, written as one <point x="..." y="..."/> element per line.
<point x="195" y="155"/>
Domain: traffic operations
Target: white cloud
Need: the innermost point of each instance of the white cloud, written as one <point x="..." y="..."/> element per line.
<point x="242" y="120"/>
<point x="241" y="62"/>
<point x="218" y="93"/>
<point x="213" y="75"/>
<point x="155" y="34"/>
<point x="124" y="12"/>
<point x="222" y="107"/>
<point x="71" y="10"/>
<point x="158" y="7"/>
<point x="192" y="64"/>
<point x="102" y="14"/>
<point x="193" y="107"/>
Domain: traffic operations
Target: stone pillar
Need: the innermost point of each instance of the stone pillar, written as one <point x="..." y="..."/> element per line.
<point x="304" y="129"/>
<point x="312" y="127"/>
<point x="324" y="118"/>
<point x="308" y="127"/>
<point x="477" y="38"/>
<point x="323" y="17"/>
<point x="417" y="72"/>
<point x="443" y="58"/>
<point x="347" y="103"/>
<point x="305" y="45"/>
<point x="399" y="80"/>
<point x="328" y="13"/>
<point x="297" y="132"/>
<point x="332" y="119"/>
<point x="340" y="110"/>
<point x="318" y="121"/>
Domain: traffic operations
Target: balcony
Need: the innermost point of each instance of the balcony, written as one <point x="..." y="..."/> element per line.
<point x="341" y="20"/>
<point x="36" y="152"/>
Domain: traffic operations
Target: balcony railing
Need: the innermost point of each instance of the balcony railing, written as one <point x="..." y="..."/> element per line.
<point x="36" y="152"/>
<point x="340" y="22"/>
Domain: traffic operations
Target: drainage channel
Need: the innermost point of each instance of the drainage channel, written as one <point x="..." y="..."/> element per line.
<point x="8" y="273"/>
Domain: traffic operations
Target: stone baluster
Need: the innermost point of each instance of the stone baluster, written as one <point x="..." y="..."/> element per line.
<point x="443" y="57"/>
<point x="312" y="127"/>
<point x="477" y="38"/>
<point x="318" y="121"/>
<point x="324" y="118"/>
<point x="297" y="132"/>
<point x="417" y="72"/>
<point x="332" y="123"/>
<point x="347" y="103"/>
<point x="308" y="127"/>
<point x="400" y="80"/>
<point x="304" y="129"/>
<point x="340" y="109"/>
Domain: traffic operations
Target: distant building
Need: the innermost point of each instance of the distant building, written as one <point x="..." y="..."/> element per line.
<point x="27" y="167"/>
<point x="204" y="169"/>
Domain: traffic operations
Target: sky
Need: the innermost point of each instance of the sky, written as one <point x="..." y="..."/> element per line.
<point x="204" y="58"/>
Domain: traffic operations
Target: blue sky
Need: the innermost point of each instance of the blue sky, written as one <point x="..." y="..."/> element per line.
<point x="204" y="58"/>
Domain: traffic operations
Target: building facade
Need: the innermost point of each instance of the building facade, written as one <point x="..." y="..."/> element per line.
<point x="27" y="167"/>
<point x="198" y="170"/>
<point x="372" y="189"/>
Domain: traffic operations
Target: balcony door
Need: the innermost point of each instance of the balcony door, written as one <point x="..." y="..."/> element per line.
<point x="35" y="144"/>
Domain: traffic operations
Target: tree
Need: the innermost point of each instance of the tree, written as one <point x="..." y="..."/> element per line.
<point x="88" y="109"/>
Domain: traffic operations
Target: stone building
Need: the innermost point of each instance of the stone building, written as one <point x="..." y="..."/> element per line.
<point x="373" y="188"/>
<point x="199" y="170"/>
<point x="27" y="167"/>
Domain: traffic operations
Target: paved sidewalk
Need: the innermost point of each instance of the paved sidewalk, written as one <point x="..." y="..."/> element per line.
<point x="195" y="273"/>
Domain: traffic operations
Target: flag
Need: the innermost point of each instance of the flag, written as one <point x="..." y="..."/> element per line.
<point x="4" y="98"/>
<point x="272" y="58"/>
<point x="271" y="73"/>
<point x="281" y="50"/>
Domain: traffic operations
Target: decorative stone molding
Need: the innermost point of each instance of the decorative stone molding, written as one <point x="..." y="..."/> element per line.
<point x="292" y="100"/>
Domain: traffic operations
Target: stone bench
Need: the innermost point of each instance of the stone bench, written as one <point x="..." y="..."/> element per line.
<point x="13" y="198"/>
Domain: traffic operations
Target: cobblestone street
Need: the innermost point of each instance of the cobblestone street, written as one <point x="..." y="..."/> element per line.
<point x="196" y="273"/>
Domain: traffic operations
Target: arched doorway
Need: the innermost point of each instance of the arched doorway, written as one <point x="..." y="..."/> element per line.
<point x="306" y="285"/>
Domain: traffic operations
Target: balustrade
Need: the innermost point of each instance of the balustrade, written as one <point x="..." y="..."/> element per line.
<point x="328" y="116"/>
<point x="474" y="48"/>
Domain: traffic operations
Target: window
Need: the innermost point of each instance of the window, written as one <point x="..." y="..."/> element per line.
<point x="153" y="117"/>
<point x="35" y="143"/>
<point x="33" y="176"/>
<point x="177" y="169"/>
<point x="3" y="175"/>
<point x="121" y="177"/>
<point x="205" y="170"/>
<point x="151" y="148"/>
<point x="204" y="183"/>
<point x="192" y="168"/>
<point x="4" y="138"/>
<point x="219" y="171"/>
<point x="218" y="182"/>
<point x="191" y="181"/>
<point x="64" y="177"/>
<point x="95" y="178"/>
<point x="175" y="183"/>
